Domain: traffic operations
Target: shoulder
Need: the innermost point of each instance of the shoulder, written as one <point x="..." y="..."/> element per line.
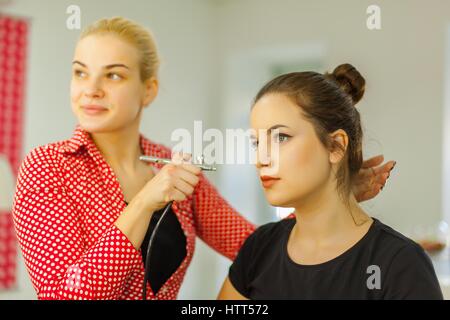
<point x="274" y="229"/>
<point x="402" y="255"/>
<point x="409" y="270"/>
<point x="267" y="234"/>
<point x="393" y="242"/>
<point x="41" y="168"/>
<point x="44" y="156"/>
<point x="262" y="243"/>
<point x="47" y="153"/>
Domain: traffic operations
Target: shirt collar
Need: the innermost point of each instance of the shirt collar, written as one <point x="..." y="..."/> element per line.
<point x="81" y="139"/>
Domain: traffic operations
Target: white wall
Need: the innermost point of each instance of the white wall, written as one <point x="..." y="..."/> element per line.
<point x="446" y="130"/>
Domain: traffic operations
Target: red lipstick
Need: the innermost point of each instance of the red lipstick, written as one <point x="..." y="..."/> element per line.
<point x="268" y="181"/>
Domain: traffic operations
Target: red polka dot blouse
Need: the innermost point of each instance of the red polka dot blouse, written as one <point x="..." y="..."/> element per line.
<point x="67" y="200"/>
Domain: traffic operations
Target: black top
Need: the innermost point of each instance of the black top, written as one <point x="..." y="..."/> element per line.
<point x="169" y="248"/>
<point x="384" y="264"/>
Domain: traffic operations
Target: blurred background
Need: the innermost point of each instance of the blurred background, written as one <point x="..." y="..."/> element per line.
<point x="216" y="54"/>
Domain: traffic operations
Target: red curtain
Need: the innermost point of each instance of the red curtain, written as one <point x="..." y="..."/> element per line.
<point x="13" y="45"/>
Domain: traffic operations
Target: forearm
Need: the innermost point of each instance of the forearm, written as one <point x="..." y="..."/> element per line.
<point x="67" y="269"/>
<point x="134" y="221"/>
<point x="91" y="276"/>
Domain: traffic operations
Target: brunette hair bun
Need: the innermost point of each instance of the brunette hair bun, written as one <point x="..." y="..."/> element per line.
<point x="350" y="80"/>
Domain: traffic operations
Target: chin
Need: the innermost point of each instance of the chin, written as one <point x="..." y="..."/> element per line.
<point x="278" y="200"/>
<point x="96" y="124"/>
<point x="94" y="127"/>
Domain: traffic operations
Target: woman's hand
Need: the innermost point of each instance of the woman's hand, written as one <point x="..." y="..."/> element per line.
<point x="174" y="182"/>
<point x="371" y="178"/>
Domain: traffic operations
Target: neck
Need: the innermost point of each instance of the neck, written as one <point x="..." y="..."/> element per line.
<point x="121" y="148"/>
<point x="324" y="216"/>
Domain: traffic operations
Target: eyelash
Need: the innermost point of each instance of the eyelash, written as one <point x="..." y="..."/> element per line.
<point x="254" y="143"/>
<point x="113" y="73"/>
<point x="78" y="73"/>
<point x="283" y="135"/>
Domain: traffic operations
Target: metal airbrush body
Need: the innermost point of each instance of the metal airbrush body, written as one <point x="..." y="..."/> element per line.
<point x="200" y="161"/>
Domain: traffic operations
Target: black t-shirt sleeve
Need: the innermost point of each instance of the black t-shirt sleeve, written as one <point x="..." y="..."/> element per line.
<point x="239" y="271"/>
<point x="411" y="276"/>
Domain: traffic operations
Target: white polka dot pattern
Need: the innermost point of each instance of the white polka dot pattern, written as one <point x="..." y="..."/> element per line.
<point x="66" y="202"/>
<point x="13" y="57"/>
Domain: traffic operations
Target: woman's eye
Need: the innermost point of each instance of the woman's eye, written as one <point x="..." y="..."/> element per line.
<point x="80" y="74"/>
<point x="281" y="137"/>
<point x="254" y="144"/>
<point x="114" y="76"/>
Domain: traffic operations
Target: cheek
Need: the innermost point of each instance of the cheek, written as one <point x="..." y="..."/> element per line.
<point x="75" y="91"/>
<point x="75" y="97"/>
<point x="305" y="163"/>
<point x="126" y="98"/>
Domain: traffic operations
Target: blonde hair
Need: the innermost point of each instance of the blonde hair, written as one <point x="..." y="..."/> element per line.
<point x="133" y="33"/>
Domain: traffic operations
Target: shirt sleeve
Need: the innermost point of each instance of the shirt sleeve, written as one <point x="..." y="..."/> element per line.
<point x="217" y="223"/>
<point x="239" y="272"/>
<point x="50" y="236"/>
<point x="411" y="276"/>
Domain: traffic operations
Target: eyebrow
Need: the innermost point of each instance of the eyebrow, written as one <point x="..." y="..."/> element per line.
<point x="274" y="127"/>
<point x="110" y="66"/>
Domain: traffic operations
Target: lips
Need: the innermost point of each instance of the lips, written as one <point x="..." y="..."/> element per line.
<point x="268" y="181"/>
<point x="93" y="109"/>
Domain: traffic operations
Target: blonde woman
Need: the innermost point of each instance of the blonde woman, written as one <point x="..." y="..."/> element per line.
<point x="85" y="207"/>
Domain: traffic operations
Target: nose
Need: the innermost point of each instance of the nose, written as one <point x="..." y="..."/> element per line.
<point x="262" y="156"/>
<point x="94" y="90"/>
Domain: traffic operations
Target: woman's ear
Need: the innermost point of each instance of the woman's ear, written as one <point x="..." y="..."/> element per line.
<point x="339" y="144"/>
<point x="151" y="87"/>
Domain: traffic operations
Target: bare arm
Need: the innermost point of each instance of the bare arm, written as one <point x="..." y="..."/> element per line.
<point x="229" y="292"/>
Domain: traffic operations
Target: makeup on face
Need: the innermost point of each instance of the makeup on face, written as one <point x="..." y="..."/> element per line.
<point x="268" y="181"/>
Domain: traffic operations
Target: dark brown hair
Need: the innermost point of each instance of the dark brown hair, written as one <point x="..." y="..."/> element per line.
<point x="328" y="102"/>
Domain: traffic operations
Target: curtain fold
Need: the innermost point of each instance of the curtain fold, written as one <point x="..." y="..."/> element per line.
<point x="13" y="49"/>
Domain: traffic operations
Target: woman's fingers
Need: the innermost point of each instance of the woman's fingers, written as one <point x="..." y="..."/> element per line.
<point x="370" y="180"/>
<point x="177" y="158"/>
<point x="373" y="162"/>
<point x="381" y="178"/>
<point x="383" y="172"/>
<point x="372" y="183"/>
<point x="191" y="168"/>
<point x="180" y="158"/>
<point x="183" y="186"/>
<point x="188" y="176"/>
<point x="172" y="183"/>
<point x="183" y="160"/>
<point x="177" y="195"/>
<point x="375" y="174"/>
<point x="385" y="168"/>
